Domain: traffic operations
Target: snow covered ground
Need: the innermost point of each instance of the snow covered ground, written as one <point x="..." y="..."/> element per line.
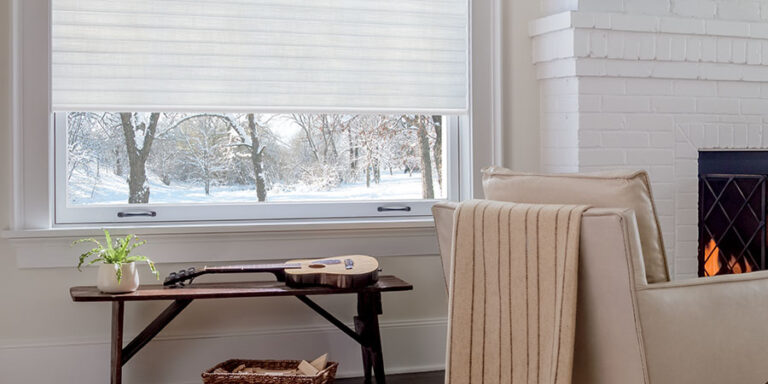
<point x="112" y="189"/>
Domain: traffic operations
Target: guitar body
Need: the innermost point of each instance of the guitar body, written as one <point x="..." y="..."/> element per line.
<point x="352" y="271"/>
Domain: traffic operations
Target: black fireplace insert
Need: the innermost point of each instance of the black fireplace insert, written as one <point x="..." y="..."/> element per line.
<point x="732" y="212"/>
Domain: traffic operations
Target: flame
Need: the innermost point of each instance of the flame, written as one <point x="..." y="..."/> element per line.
<point x="712" y="265"/>
<point x="736" y="267"/>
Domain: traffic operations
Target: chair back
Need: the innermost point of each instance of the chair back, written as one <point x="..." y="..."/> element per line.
<point x="615" y="189"/>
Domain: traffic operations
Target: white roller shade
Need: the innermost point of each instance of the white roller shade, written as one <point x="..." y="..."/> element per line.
<point x="260" y="55"/>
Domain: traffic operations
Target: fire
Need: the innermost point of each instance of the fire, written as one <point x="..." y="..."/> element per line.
<point x="736" y="267"/>
<point x="712" y="265"/>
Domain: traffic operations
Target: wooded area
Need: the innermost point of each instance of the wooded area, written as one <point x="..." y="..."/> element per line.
<point x="261" y="151"/>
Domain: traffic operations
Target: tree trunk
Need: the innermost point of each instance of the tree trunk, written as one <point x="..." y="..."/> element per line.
<point x="118" y="163"/>
<point x="137" y="158"/>
<point x="437" y="148"/>
<point x="426" y="160"/>
<point x="368" y="176"/>
<point x="257" y="157"/>
<point x="353" y="152"/>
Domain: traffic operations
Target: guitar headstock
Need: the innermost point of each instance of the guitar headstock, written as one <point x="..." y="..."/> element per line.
<point x="182" y="277"/>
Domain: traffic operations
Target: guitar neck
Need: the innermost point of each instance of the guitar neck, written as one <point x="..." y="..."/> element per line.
<point x="245" y="268"/>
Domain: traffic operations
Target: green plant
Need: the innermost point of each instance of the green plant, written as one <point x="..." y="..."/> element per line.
<point x="116" y="252"/>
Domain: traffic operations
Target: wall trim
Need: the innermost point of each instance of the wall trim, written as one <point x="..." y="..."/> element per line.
<point x="498" y="83"/>
<point x="6" y="344"/>
<point x="647" y="23"/>
<point x="603" y="67"/>
<point x="203" y="350"/>
<point x="17" y="212"/>
<point x="486" y="95"/>
<point x="227" y="244"/>
<point x="614" y="45"/>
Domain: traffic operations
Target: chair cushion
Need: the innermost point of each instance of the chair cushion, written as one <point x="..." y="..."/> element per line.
<point x="616" y="189"/>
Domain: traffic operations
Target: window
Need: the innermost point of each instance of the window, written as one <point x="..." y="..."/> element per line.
<point x="377" y="78"/>
<point x="341" y="59"/>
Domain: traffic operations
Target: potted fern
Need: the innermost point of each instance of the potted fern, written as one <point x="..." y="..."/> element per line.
<point x="117" y="273"/>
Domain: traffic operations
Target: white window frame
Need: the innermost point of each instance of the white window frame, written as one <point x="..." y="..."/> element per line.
<point x="33" y="168"/>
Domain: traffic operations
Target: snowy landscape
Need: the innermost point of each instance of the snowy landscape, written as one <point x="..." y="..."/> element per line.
<point x="112" y="189"/>
<point x="168" y="158"/>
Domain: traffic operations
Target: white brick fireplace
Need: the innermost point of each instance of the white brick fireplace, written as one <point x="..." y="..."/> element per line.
<point x="648" y="83"/>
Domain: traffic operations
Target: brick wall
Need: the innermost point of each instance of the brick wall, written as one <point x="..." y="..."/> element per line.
<point x="646" y="84"/>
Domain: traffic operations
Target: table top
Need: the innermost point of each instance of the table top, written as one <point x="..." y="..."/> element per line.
<point x="231" y="289"/>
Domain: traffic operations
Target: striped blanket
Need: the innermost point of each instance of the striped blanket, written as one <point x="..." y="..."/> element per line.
<point x="513" y="293"/>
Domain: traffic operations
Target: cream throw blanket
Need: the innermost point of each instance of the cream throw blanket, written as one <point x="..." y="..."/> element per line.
<point x="513" y="293"/>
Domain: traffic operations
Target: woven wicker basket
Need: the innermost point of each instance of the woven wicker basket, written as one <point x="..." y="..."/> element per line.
<point x="326" y="376"/>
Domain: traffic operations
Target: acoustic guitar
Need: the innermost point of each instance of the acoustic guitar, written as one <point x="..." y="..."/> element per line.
<point x="352" y="271"/>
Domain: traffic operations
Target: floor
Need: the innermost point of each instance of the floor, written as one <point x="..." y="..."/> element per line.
<point x="409" y="378"/>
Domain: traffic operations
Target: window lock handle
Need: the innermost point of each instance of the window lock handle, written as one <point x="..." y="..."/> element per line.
<point x="394" y="209"/>
<point x="122" y="214"/>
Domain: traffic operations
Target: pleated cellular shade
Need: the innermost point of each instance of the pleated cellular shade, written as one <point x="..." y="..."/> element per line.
<point x="379" y="56"/>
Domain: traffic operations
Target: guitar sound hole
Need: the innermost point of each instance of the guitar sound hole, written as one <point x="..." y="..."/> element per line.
<point x="317" y="266"/>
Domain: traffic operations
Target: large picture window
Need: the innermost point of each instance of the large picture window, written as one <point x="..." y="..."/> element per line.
<point x="100" y="58"/>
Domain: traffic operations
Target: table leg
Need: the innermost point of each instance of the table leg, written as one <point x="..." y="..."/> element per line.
<point x="367" y="326"/>
<point x="154" y="328"/>
<point x="116" y="363"/>
<point x="367" y="362"/>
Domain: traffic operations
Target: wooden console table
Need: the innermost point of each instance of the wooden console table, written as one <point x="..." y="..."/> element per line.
<point x="366" y="331"/>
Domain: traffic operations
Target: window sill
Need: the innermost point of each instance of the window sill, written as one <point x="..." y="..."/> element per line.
<point x="204" y="242"/>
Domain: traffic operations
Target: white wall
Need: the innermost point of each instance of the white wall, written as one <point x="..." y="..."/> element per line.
<point x="520" y="90"/>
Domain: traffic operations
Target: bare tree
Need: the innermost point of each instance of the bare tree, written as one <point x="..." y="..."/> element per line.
<point x="428" y="191"/>
<point x="437" y="148"/>
<point x="305" y="122"/>
<point x="419" y="123"/>
<point x="207" y="147"/>
<point x="138" y="153"/>
<point x="249" y="137"/>
<point x="77" y="148"/>
<point x="257" y="158"/>
<point x="322" y="131"/>
<point x="354" y="153"/>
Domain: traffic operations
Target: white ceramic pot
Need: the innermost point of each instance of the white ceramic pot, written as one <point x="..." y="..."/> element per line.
<point x="106" y="280"/>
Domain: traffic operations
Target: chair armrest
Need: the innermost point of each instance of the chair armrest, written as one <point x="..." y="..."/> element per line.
<point x="609" y="346"/>
<point x="708" y="330"/>
<point x="724" y="279"/>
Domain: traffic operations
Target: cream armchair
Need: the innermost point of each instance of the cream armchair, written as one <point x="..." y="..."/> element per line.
<point x="628" y="331"/>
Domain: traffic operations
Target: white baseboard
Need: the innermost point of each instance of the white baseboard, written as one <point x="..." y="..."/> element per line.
<point x="409" y="346"/>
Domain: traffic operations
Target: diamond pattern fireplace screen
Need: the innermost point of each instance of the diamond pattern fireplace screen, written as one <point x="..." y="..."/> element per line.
<point x="732" y="214"/>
